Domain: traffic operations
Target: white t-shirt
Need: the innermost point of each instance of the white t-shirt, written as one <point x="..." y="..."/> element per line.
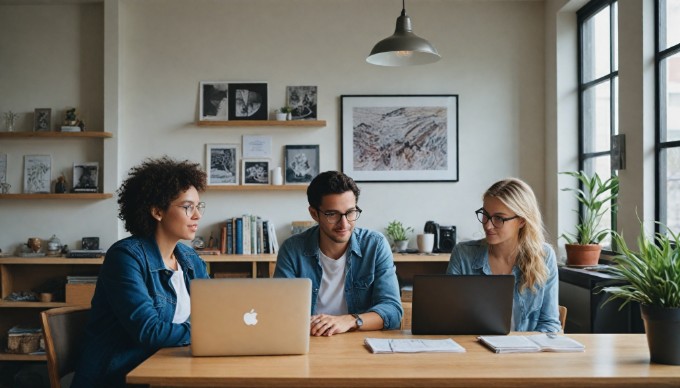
<point x="331" y="299"/>
<point x="183" y="308"/>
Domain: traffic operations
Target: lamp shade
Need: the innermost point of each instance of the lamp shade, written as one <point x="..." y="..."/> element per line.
<point x="403" y="48"/>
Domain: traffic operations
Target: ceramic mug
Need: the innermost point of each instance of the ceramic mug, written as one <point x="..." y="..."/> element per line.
<point x="425" y="242"/>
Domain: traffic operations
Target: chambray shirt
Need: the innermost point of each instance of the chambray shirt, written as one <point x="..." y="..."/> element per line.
<point x="132" y="311"/>
<point x="370" y="275"/>
<point x="532" y="310"/>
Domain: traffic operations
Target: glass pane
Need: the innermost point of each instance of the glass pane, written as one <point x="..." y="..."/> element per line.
<point x="596" y="44"/>
<point x="669" y="78"/>
<point x="601" y="166"/>
<point x="670" y="159"/>
<point x="596" y="118"/>
<point x="672" y="25"/>
<point x="615" y="37"/>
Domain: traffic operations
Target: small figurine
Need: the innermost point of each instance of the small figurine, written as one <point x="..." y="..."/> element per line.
<point x="71" y="122"/>
<point x="211" y="241"/>
<point x="60" y="186"/>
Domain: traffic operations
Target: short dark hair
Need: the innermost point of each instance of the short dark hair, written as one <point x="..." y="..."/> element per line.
<point x="155" y="183"/>
<point x="330" y="182"/>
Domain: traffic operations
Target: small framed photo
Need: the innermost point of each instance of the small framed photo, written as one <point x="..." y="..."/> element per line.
<point x="3" y="168"/>
<point x="37" y="173"/>
<point x="256" y="172"/>
<point x="303" y="101"/>
<point x="302" y="164"/>
<point x="42" y="120"/>
<point x="221" y="161"/>
<point x="248" y="101"/>
<point x="85" y="177"/>
<point x="213" y="101"/>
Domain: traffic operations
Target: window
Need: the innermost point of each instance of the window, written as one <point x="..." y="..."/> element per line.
<point x="668" y="113"/>
<point x="598" y="89"/>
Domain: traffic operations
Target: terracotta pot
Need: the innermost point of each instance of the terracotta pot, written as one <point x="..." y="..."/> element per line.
<point x="588" y="254"/>
<point x="662" y="326"/>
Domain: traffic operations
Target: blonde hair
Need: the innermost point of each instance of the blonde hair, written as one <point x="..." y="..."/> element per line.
<point x="518" y="196"/>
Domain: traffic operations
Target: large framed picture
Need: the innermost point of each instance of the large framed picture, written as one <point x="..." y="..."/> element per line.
<point x="42" y="118"/>
<point x="221" y="161"/>
<point x="400" y="138"/>
<point x="302" y="164"/>
<point x="248" y="101"/>
<point x="37" y="173"/>
<point x="213" y="101"/>
<point x="85" y="177"/>
<point x="303" y="101"/>
<point x="256" y="172"/>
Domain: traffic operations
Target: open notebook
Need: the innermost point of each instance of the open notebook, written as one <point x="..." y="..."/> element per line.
<point x="546" y="342"/>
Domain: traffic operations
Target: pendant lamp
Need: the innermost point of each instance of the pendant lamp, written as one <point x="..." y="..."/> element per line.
<point x="403" y="48"/>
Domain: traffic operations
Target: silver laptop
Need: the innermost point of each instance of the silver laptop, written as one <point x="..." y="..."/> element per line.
<point x="462" y="304"/>
<point x="242" y="317"/>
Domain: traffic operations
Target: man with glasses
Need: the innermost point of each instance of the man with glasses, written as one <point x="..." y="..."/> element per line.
<point x="354" y="283"/>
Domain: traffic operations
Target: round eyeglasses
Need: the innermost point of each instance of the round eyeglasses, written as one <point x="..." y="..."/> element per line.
<point x="191" y="208"/>
<point x="496" y="221"/>
<point x="335" y="217"/>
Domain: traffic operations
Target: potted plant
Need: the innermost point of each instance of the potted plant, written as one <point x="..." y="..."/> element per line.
<point x="399" y="235"/>
<point x="583" y="247"/>
<point x="651" y="277"/>
<point x="288" y="111"/>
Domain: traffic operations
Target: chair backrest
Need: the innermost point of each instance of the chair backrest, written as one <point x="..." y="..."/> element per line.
<point x="563" y="316"/>
<point x="64" y="331"/>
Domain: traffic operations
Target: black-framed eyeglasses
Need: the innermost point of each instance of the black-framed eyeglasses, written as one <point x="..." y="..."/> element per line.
<point x="191" y="208"/>
<point x="335" y="217"/>
<point x="496" y="221"/>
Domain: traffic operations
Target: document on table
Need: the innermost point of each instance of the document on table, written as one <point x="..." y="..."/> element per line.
<point x="387" y="345"/>
<point x="531" y="343"/>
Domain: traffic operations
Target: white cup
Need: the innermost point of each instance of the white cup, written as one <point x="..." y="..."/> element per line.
<point x="425" y="242"/>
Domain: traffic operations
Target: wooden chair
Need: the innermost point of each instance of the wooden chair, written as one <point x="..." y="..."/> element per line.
<point x="64" y="331"/>
<point x="563" y="316"/>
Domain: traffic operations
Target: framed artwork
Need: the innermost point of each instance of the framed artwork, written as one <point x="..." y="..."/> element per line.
<point x="303" y="101"/>
<point x="256" y="172"/>
<point x="42" y="119"/>
<point x="302" y="164"/>
<point x="37" y="173"/>
<point x="3" y="168"/>
<point x="221" y="161"/>
<point x="257" y="146"/>
<point x="400" y="138"/>
<point x="213" y="101"/>
<point x="248" y="101"/>
<point x="85" y="177"/>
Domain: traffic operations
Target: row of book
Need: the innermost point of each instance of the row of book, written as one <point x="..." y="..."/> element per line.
<point x="248" y="235"/>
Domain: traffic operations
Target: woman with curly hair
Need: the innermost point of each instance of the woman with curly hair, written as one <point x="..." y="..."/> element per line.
<point x="514" y="244"/>
<point x="141" y="301"/>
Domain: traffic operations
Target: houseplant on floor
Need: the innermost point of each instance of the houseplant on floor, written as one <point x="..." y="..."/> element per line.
<point x="583" y="247"/>
<point x="399" y="235"/>
<point x="652" y="279"/>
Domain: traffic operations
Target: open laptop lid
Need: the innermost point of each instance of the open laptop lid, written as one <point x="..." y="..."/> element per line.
<point x="462" y="304"/>
<point x="237" y="317"/>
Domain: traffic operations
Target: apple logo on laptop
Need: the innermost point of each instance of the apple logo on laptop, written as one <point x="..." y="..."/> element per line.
<point x="250" y="318"/>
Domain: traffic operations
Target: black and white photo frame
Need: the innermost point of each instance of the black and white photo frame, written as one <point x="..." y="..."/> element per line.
<point x="302" y="100"/>
<point x="86" y="177"/>
<point x="248" y="101"/>
<point x="37" y="173"/>
<point x="221" y="161"/>
<point x="42" y="120"/>
<point x="213" y="101"/>
<point x="302" y="164"/>
<point x="256" y="172"/>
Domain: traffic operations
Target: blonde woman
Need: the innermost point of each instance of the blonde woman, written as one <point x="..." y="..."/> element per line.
<point x="514" y="244"/>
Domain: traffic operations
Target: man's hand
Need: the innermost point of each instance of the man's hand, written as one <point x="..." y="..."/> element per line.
<point x="327" y="325"/>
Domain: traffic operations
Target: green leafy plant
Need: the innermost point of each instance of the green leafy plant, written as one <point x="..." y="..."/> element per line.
<point x="652" y="274"/>
<point x="595" y="198"/>
<point x="397" y="231"/>
<point x="286" y="109"/>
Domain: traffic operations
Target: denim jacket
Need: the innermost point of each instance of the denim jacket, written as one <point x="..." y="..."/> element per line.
<point x="132" y="311"/>
<point x="371" y="280"/>
<point x="532" y="310"/>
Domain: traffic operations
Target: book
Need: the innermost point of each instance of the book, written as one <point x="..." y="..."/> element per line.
<point x="415" y="345"/>
<point x="546" y="342"/>
<point x="238" y="236"/>
<point x="230" y="237"/>
<point x="223" y="238"/>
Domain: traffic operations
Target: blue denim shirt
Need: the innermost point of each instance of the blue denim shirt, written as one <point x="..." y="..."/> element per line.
<point x="371" y="279"/>
<point x="531" y="311"/>
<point x="132" y="311"/>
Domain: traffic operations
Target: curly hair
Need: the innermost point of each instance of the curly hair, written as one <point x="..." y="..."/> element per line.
<point x="518" y="196"/>
<point x="155" y="183"/>
<point x="330" y="182"/>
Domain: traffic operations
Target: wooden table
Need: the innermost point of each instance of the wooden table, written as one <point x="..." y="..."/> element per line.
<point x="610" y="360"/>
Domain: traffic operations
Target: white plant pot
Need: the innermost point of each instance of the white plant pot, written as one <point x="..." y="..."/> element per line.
<point x="281" y="116"/>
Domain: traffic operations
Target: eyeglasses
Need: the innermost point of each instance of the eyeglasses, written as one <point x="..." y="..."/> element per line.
<point x="496" y="221"/>
<point x="190" y="209"/>
<point x="335" y="217"/>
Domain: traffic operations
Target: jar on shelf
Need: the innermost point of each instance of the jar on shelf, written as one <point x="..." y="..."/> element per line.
<point x="54" y="246"/>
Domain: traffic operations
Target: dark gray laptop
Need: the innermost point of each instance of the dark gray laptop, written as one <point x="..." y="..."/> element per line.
<point x="462" y="304"/>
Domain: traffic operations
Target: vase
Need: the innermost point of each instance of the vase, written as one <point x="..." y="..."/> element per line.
<point x="289" y="116"/>
<point x="662" y="326"/>
<point x="277" y="177"/>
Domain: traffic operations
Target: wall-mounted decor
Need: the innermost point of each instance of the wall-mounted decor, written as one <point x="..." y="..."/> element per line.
<point x="400" y="138"/>
<point x="302" y="163"/>
<point x="221" y="161"/>
<point x="302" y="99"/>
<point x="256" y="172"/>
<point x="85" y="177"/>
<point x="3" y="168"/>
<point x="42" y="119"/>
<point x="248" y="101"/>
<point x="213" y="101"/>
<point x="37" y="173"/>
<point x="257" y="146"/>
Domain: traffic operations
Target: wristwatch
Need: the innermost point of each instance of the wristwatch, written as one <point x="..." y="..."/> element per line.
<point x="359" y="321"/>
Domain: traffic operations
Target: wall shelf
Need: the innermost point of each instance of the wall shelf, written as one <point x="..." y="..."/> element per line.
<point x="257" y="188"/>
<point x="263" y="123"/>
<point x="57" y="196"/>
<point x="53" y="134"/>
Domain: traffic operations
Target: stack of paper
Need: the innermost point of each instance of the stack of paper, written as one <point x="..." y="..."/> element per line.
<point x="532" y="343"/>
<point x="386" y="345"/>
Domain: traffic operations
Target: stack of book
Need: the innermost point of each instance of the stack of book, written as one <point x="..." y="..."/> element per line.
<point x="248" y="235"/>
